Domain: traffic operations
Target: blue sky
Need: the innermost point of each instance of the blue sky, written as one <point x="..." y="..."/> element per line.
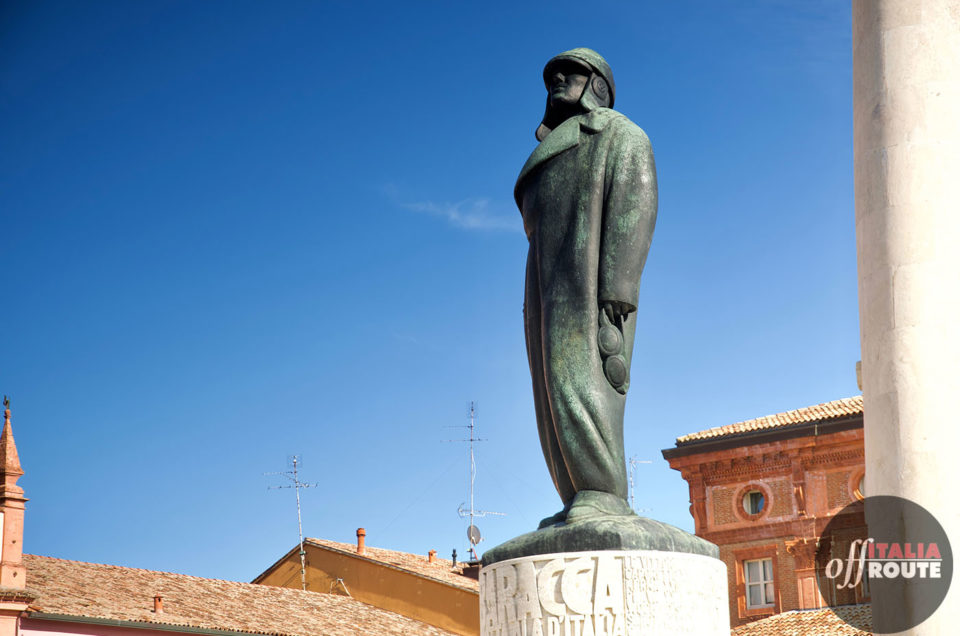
<point x="235" y="231"/>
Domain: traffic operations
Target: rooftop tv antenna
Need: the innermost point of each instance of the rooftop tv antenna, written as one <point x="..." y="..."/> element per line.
<point x="633" y="471"/>
<point x="473" y="532"/>
<point x="294" y="462"/>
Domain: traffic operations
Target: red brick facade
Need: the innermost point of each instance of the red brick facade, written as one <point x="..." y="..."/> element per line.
<point x="806" y="471"/>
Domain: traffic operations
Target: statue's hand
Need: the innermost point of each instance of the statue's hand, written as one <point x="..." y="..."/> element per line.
<point x="616" y="310"/>
<point x="610" y="344"/>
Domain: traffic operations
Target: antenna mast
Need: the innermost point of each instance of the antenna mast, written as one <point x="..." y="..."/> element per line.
<point x="293" y="476"/>
<point x="473" y="533"/>
<point x="633" y="469"/>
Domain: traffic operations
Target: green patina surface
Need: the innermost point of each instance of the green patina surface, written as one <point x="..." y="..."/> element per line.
<point x="602" y="533"/>
<point x="588" y="197"/>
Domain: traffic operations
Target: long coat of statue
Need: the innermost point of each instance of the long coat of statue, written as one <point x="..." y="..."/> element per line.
<point x="588" y="196"/>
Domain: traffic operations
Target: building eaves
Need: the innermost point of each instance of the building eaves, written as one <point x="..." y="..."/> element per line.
<point x="817" y="419"/>
<point x="116" y="622"/>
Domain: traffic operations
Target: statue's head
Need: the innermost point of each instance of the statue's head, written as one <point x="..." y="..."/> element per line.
<point x="577" y="81"/>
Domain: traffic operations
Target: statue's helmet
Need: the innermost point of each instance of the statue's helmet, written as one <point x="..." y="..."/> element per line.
<point x="596" y="94"/>
<point x="593" y="61"/>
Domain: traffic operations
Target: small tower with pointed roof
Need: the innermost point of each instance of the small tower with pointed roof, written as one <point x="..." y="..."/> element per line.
<point x="14" y="597"/>
<point x="12" y="572"/>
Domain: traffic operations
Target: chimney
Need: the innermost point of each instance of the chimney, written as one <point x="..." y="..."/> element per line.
<point x="361" y="534"/>
<point x="157" y="604"/>
<point x="471" y="570"/>
<point x="432" y="556"/>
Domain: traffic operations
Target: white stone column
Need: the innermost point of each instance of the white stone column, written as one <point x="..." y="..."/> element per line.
<point x="906" y="114"/>
<point x="605" y="593"/>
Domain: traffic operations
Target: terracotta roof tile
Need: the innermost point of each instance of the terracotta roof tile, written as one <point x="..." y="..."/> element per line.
<point x="442" y="570"/>
<point x="821" y="622"/>
<point x="110" y="592"/>
<point x="818" y="412"/>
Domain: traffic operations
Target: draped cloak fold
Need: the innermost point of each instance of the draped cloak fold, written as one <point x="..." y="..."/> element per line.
<point x="588" y="196"/>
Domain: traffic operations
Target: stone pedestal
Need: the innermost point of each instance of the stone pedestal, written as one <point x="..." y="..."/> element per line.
<point x="605" y="593"/>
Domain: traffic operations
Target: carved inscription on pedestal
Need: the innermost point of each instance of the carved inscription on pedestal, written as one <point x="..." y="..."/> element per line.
<point x="608" y="593"/>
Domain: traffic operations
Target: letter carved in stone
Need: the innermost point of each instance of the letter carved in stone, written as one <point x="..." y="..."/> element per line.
<point x="605" y="593"/>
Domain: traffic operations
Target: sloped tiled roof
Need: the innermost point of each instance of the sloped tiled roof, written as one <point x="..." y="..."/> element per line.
<point x="97" y="591"/>
<point x="442" y="570"/>
<point x="819" y="412"/>
<point x="855" y="621"/>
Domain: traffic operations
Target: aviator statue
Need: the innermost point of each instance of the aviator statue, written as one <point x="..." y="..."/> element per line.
<point x="588" y="196"/>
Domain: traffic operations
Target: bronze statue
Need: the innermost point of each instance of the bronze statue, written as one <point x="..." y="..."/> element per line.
<point x="588" y="196"/>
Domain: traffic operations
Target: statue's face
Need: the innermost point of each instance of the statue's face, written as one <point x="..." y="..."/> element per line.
<point x="567" y="80"/>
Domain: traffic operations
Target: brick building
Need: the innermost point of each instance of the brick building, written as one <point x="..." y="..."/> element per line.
<point x="763" y="490"/>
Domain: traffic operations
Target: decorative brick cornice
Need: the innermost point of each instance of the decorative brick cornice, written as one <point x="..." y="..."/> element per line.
<point x="838" y="458"/>
<point x="16" y="595"/>
<point x="736" y="469"/>
<point x="778" y="530"/>
<point x="787" y="462"/>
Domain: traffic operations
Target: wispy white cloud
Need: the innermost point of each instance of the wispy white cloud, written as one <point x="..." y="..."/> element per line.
<point x="470" y="214"/>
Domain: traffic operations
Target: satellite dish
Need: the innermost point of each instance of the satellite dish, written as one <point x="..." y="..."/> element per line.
<point x="473" y="534"/>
